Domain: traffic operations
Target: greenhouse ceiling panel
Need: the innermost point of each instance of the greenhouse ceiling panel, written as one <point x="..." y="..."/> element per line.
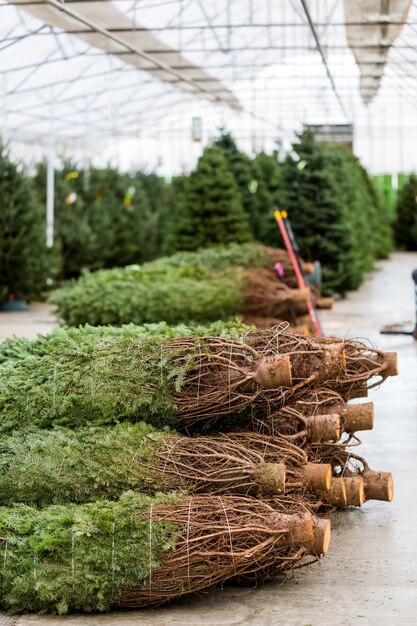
<point x="91" y="70"/>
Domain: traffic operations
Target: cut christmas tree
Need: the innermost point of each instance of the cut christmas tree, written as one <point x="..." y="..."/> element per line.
<point x="142" y="551"/>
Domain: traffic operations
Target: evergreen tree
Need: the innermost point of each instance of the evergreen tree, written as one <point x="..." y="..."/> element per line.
<point x="317" y="208"/>
<point x="157" y="191"/>
<point x="103" y="218"/>
<point x="175" y="200"/>
<point x="120" y="217"/>
<point x="337" y="215"/>
<point x="23" y="253"/>
<point x="405" y="227"/>
<point x="357" y="211"/>
<point x="210" y="209"/>
<point x="245" y="172"/>
<point x="267" y="197"/>
<point x="74" y="237"/>
<point x="383" y="235"/>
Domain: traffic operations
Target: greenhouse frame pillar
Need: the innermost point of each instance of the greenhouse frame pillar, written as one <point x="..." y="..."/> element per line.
<point x="50" y="193"/>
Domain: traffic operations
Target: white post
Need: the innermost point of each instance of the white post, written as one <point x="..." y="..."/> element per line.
<point x="50" y="192"/>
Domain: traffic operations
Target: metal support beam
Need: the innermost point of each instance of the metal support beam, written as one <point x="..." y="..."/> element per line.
<point x="50" y="197"/>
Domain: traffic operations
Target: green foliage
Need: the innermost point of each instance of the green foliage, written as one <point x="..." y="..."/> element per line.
<point x="209" y="210"/>
<point x="58" y="466"/>
<point x="214" y="258"/>
<point x="23" y="253"/>
<point x="186" y="287"/>
<point x="381" y="218"/>
<point x="20" y="347"/>
<point x="119" y="217"/>
<point x="316" y="212"/>
<point x="105" y="218"/>
<point x="89" y="380"/>
<point x="174" y="201"/>
<point x="259" y="184"/>
<point x="136" y="295"/>
<point x="71" y="558"/>
<point x="335" y="212"/>
<point x="405" y="227"/>
<point x="75" y="239"/>
<point x="161" y="213"/>
<point x="267" y="174"/>
<point x="75" y="379"/>
<point x="14" y="348"/>
<point x="242" y="168"/>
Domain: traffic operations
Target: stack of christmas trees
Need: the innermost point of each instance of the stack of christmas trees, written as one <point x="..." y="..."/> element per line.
<point x="137" y="466"/>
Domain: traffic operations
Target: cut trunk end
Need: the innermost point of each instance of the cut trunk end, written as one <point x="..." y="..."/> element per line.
<point x="336" y="496"/>
<point x="334" y="361"/>
<point x="271" y="479"/>
<point x="322" y="533"/>
<point x="317" y="476"/>
<point x="301" y="529"/>
<point x="324" y="427"/>
<point x="311" y="532"/>
<point x="324" y="303"/>
<point x="274" y="373"/>
<point x="391" y="364"/>
<point x="357" y="416"/>
<point x="300" y="295"/>
<point x="378" y="485"/>
<point x="355" y="490"/>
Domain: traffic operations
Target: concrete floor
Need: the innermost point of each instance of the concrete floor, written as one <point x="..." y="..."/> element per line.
<point x="370" y="574"/>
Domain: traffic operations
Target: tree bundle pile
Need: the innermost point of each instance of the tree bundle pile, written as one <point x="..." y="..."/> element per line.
<point x="211" y="284"/>
<point x="138" y="465"/>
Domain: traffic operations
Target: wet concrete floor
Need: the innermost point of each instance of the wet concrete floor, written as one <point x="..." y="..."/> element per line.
<point x="370" y="574"/>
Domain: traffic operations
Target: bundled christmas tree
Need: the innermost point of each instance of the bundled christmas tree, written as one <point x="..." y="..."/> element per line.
<point x="23" y="253"/>
<point x="167" y="382"/>
<point x="360" y="481"/>
<point x="61" y="465"/>
<point x="210" y="211"/>
<point x="143" y="551"/>
<point x="405" y="227"/>
<point x="19" y="347"/>
<point x="201" y="287"/>
<point x="204" y="509"/>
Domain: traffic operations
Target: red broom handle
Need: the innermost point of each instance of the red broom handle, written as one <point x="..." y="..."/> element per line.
<point x="298" y="273"/>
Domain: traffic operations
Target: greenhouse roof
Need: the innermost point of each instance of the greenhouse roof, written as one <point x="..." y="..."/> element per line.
<point x="86" y="72"/>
